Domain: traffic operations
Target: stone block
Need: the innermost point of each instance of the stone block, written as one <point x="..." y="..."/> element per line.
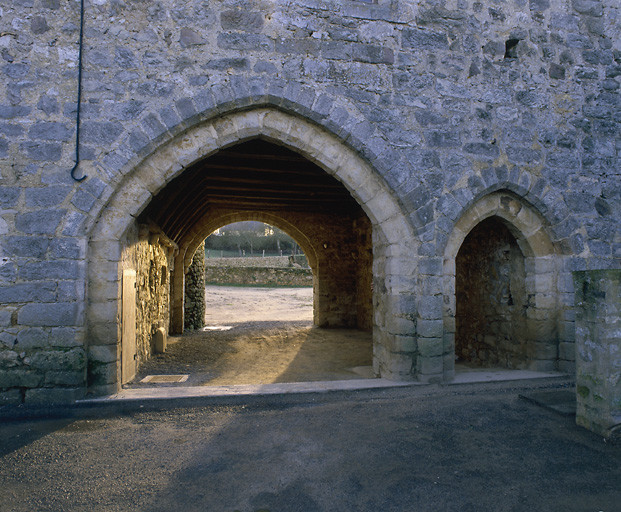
<point x="65" y="378"/>
<point x="547" y="351"/>
<point x="567" y="351"/>
<point x="430" y="347"/>
<point x="14" y="111"/>
<point x="423" y="39"/>
<point x="101" y="374"/>
<point x="65" y="337"/>
<point x="32" y="338"/>
<point x="28" y="292"/>
<point x="101" y="133"/>
<point x="399" y="325"/>
<point x="48" y="396"/>
<point x="67" y="248"/>
<point x="103" y="333"/>
<point x="9" y="196"/>
<point x="430" y="307"/>
<point x="242" y="19"/>
<point x="427" y="366"/>
<point x="50" y="131"/>
<point x="160" y="340"/>
<point x="104" y="353"/>
<point x="403" y="344"/>
<point x="443" y="138"/>
<point x="42" y="222"/>
<point x="53" y="269"/>
<point x="186" y="108"/>
<point x="10" y="397"/>
<point x="244" y="41"/>
<point x="53" y="315"/>
<point x="430" y="266"/>
<point x="567" y="367"/>
<point x="20" y="378"/>
<point x="57" y="360"/>
<point x="397" y="367"/>
<point x="429" y="328"/>
<point x="5" y="317"/>
<point x="542" y="366"/>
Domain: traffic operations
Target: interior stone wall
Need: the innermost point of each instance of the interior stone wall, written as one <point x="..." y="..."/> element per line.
<point x="342" y="259"/>
<point x="194" y="304"/>
<point x="491" y="298"/>
<point x="152" y="260"/>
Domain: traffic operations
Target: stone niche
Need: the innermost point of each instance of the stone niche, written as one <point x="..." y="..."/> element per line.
<point x="491" y="298"/>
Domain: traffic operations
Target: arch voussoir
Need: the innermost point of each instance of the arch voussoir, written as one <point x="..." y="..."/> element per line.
<point x="392" y="238"/>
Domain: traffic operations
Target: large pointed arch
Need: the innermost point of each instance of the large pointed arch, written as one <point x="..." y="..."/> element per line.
<point x="392" y="235"/>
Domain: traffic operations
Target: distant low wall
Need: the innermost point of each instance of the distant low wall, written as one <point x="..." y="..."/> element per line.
<point x="259" y="276"/>
<point x="299" y="260"/>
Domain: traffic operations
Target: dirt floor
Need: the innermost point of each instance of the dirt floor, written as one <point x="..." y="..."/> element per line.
<point x="260" y="336"/>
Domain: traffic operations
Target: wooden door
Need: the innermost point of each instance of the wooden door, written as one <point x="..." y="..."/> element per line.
<point x="128" y="339"/>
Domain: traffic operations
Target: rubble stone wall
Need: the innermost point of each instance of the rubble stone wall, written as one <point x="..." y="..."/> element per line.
<point x="259" y="276"/>
<point x="598" y="348"/>
<point x="194" y="304"/>
<point x="423" y="109"/>
<point x="152" y="262"/>
<point x="491" y="299"/>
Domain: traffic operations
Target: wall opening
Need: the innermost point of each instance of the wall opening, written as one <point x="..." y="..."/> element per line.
<point x="491" y="298"/>
<point x="310" y="183"/>
<point x="250" y="183"/>
<point x="502" y="307"/>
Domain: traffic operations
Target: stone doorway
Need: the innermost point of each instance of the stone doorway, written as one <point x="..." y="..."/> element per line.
<point x="338" y="210"/>
<point x="502" y="305"/>
<point x="491" y="299"/>
<point x="258" y="179"/>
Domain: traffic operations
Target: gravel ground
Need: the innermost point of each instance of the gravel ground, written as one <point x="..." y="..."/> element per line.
<point x="260" y="336"/>
<point x="456" y="448"/>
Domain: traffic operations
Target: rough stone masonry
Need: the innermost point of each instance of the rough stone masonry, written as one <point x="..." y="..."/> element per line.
<point x="432" y="115"/>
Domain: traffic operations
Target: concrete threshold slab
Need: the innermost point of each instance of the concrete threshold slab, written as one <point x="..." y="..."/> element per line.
<point x="465" y="375"/>
<point x="155" y="393"/>
<point x="468" y="376"/>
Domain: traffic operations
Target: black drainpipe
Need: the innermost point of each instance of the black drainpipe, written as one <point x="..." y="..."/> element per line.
<point x="77" y="121"/>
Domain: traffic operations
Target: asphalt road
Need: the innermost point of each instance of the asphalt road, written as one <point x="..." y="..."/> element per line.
<point x="457" y="448"/>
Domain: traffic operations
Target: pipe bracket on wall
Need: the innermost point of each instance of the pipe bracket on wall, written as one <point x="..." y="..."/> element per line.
<point x="77" y="124"/>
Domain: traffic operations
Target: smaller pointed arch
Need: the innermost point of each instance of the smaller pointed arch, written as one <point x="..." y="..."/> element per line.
<point x="527" y="264"/>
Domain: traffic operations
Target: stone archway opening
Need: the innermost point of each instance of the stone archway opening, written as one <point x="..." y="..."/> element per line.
<point x="254" y="180"/>
<point x="491" y="298"/>
<point x="363" y="208"/>
<point x="502" y="306"/>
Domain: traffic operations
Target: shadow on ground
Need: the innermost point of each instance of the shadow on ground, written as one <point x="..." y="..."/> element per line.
<point x="263" y="352"/>
<point x="468" y="448"/>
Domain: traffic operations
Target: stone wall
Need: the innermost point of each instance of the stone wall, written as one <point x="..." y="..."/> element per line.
<point x="422" y="109"/>
<point x="194" y="304"/>
<point x="491" y="299"/>
<point x="259" y="276"/>
<point x="147" y="253"/>
<point x="598" y="348"/>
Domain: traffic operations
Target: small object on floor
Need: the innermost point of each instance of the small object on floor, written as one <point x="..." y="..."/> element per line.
<point x="160" y="340"/>
<point x="164" y="379"/>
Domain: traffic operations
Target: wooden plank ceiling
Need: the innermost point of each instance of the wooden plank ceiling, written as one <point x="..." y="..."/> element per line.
<point x="252" y="176"/>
